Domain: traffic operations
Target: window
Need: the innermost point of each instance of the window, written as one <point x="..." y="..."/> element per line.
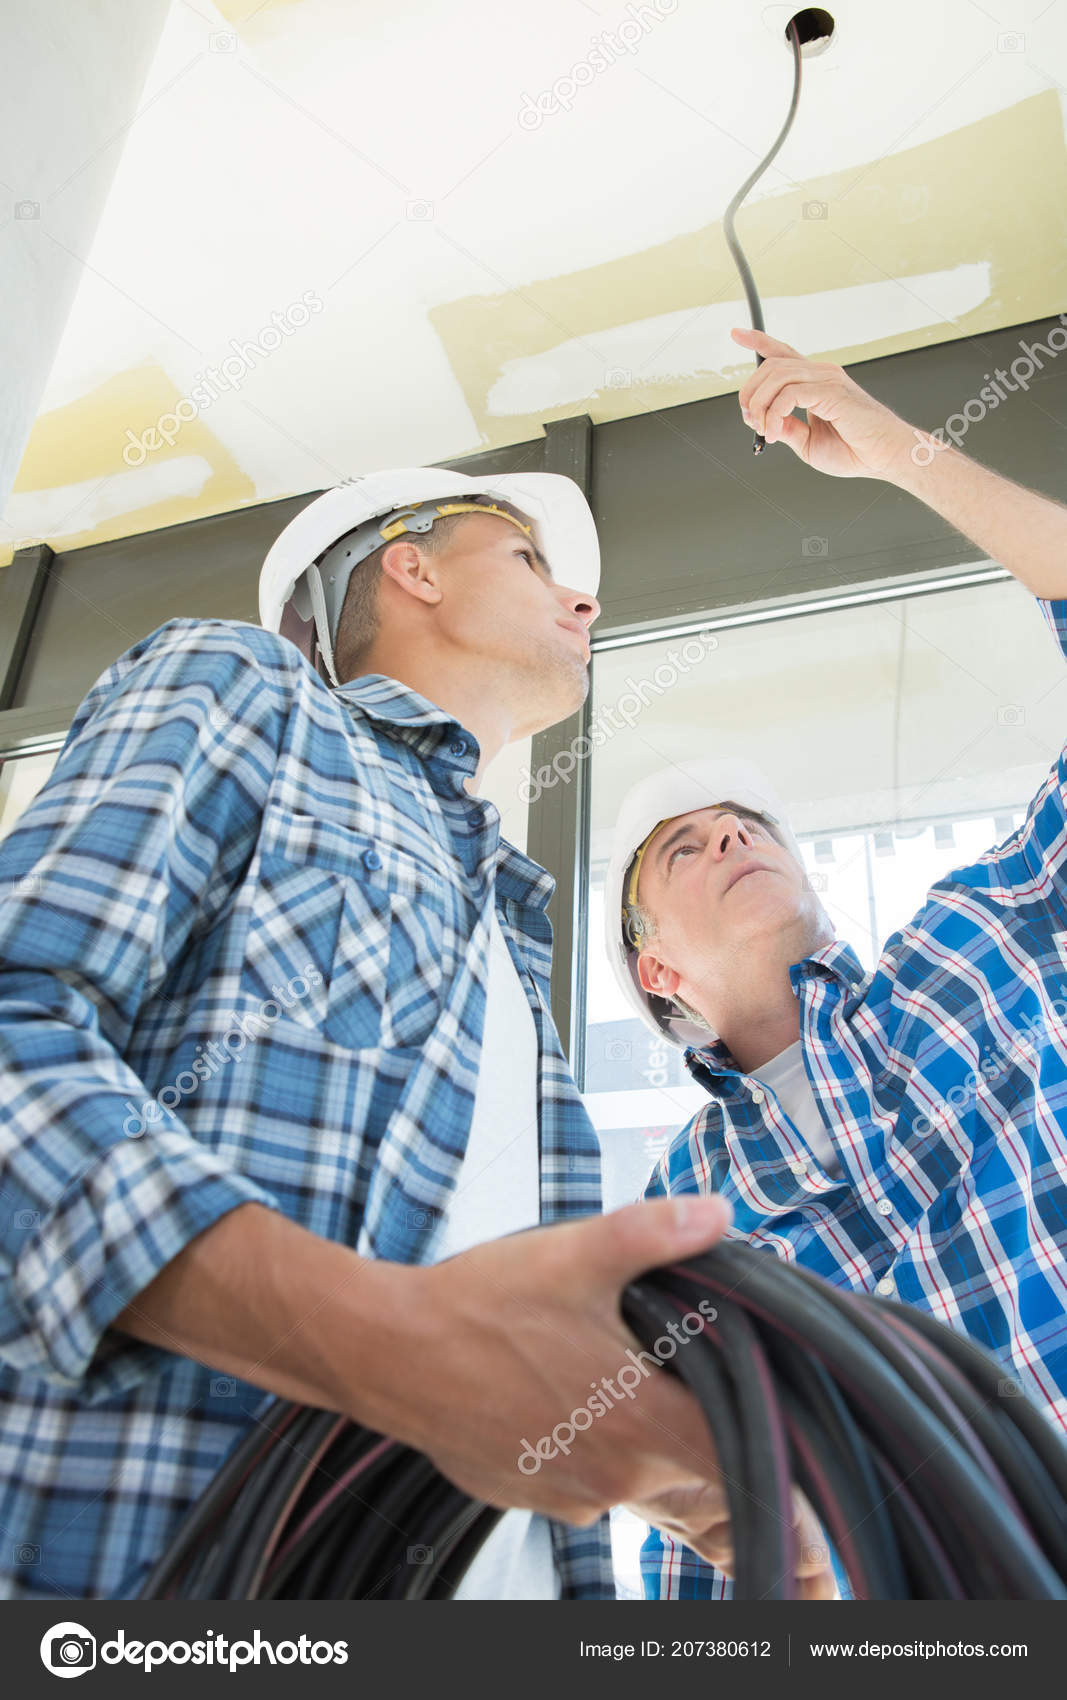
<point x="21" y="777"/>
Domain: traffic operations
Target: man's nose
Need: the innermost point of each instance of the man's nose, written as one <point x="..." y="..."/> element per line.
<point x="727" y="828"/>
<point x="581" y="603"/>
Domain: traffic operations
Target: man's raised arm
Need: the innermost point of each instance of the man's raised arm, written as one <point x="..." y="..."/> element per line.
<point x="848" y="434"/>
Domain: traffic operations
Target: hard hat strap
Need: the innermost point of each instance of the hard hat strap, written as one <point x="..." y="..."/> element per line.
<point x="322" y="620"/>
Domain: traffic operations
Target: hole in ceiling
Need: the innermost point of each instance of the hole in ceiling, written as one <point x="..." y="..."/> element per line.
<point x="815" y="28"/>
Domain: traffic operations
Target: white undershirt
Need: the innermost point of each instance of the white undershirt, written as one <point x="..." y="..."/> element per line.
<point x="498" y="1190"/>
<point x="787" y="1077"/>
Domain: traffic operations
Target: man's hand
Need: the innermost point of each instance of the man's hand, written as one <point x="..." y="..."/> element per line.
<point x="508" y="1365"/>
<point x="697" y="1516"/>
<point x="522" y="1382"/>
<point x="848" y="433"/>
<point x="527" y="1352"/>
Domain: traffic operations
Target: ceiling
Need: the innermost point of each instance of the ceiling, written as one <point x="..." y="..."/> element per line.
<point x="443" y="225"/>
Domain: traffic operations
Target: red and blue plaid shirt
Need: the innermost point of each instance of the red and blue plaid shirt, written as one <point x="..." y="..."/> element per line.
<point x="941" y="1077"/>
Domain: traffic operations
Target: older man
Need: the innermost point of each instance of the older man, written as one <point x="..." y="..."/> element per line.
<point x="903" y="1131"/>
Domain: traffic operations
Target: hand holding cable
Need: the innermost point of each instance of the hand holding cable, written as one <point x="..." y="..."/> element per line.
<point x="490" y="1356"/>
<point x="512" y="1338"/>
<point x="527" y="1331"/>
<point x="934" y="1477"/>
<point x="848" y="434"/>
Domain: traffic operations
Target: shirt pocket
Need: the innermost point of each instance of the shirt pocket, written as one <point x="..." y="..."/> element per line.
<point x="365" y="915"/>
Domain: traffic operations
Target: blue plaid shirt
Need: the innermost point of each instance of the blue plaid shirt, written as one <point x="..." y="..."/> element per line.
<point x="941" y="1078"/>
<point x="244" y="941"/>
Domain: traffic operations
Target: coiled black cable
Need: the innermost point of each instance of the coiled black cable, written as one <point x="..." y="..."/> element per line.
<point x="932" y="1476"/>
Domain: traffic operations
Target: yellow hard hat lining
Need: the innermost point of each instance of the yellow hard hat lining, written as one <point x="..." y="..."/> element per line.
<point x="396" y="526"/>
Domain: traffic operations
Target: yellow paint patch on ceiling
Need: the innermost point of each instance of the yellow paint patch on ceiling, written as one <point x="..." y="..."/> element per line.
<point x="244" y="15"/>
<point x="679" y="344"/>
<point x="82" y="445"/>
<point x="894" y="226"/>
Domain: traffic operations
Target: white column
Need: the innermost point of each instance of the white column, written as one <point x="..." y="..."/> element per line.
<point x="72" y="77"/>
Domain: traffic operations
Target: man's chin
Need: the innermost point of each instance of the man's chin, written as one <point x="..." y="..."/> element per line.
<point x="763" y="921"/>
<point x="798" y="929"/>
<point x="572" y="688"/>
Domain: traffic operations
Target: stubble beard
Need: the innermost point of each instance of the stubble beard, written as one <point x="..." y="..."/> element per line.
<point x="558" y="684"/>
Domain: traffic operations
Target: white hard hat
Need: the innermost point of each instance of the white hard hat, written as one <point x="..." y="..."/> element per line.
<point x="304" y="577"/>
<point x="677" y="790"/>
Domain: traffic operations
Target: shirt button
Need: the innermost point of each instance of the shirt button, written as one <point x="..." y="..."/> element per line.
<point x="799" y="1167"/>
<point x="883" y="1207"/>
<point x="757" y="1095"/>
<point x="885" y="1286"/>
<point x="458" y="747"/>
<point x="371" y="859"/>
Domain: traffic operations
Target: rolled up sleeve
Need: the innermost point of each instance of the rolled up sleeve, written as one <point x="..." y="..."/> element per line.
<point x="129" y="852"/>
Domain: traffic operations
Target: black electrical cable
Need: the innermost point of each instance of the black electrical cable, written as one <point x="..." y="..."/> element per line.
<point x="243" y="1539"/>
<point x="932" y="1477"/>
<point x="348" y="1482"/>
<point x="966" y="1416"/>
<point x="853" y="1507"/>
<point x="372" y="1555"/>
<point x="448" y="1575"/>
<point x="467" y="1526"/>
<point x="1033" y="1486"/>
<point x="323" y="1562"/>
<point x="765" y="1561"/>
<point x="754" y="307"/>
<point x="439" y="1514"/>
<point x="988" y="1379"/>
<point x="709" y="1382"/>
<point x="226" y="1482"/>
<point x="975" y="1526"/>
<point x="871" y="1528"/>
<point x="266" y="1486"/>
<point x="268" y="1518"/>
<point x="353" y="1519"/>
<point x="446" y="1526"/>
<point x="931" y="1574"/>
<point x="814" y="1468"/>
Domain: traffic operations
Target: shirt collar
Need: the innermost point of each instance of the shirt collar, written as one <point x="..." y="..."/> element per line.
<point x="837" y="961"/>
<point x="381" y="698"/>
<point x="402" y="713"/>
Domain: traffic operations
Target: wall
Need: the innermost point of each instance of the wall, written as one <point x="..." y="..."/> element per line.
<point x="59" y="158"/>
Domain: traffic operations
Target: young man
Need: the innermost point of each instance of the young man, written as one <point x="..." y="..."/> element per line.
<point x="901" y="1132"/>
<point x="276" y="1050"/>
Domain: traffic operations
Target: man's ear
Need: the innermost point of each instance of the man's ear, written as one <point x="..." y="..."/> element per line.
<point x="413" y="569"/>
<point x="655" y="976"/>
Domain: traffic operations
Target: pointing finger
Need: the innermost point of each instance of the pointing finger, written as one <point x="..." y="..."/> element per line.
<point x="762" y="343"/>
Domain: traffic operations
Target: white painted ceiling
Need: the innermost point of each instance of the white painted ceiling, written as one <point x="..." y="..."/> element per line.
<point x="471" y="264"/>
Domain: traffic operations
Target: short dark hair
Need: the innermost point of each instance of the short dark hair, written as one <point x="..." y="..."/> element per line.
<point x="360" y="615"/>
